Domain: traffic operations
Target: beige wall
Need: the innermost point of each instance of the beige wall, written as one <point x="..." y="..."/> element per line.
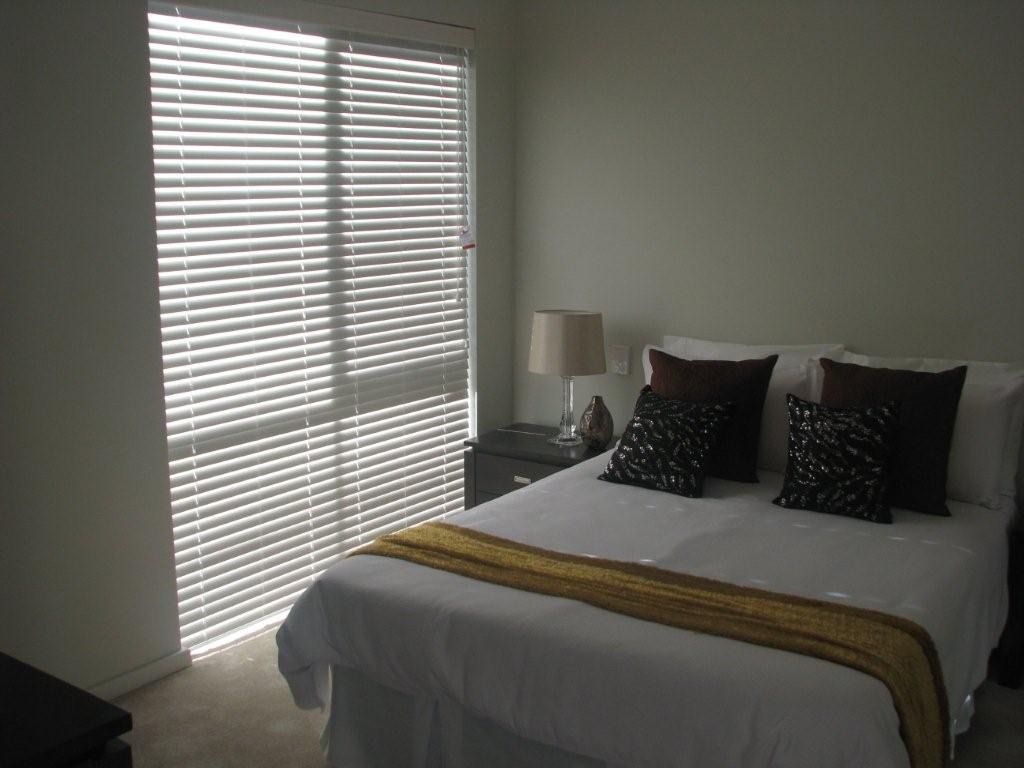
<point x="86" y="564"/>
<point x="86" y="568"/>
<point x="770" y="171"/>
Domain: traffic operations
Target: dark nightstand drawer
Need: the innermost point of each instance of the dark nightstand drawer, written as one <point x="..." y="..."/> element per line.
<point x="501" y="474"/>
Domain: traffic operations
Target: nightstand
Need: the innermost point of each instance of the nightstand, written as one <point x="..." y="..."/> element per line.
<point x="510" y="457"/>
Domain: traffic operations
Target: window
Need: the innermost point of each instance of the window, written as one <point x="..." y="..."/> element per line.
<point x="311" y="188"/>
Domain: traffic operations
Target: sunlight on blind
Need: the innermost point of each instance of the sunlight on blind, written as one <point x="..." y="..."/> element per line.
<point x="310" y="193"/>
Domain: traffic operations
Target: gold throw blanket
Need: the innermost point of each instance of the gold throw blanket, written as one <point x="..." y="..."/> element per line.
<point x="894" y="650"/>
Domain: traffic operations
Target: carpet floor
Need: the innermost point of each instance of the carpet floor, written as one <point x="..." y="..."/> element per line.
<point x="233" y="709"/>
<point x="228" y="710"/>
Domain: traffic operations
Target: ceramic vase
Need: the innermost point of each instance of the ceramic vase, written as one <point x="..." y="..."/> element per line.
<point x="596" y="424"/>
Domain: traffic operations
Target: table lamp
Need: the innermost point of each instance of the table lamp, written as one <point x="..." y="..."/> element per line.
<point x="569" y="343"/>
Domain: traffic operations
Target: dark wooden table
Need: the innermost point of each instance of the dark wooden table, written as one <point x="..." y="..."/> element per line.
<point x="47" y="723"/>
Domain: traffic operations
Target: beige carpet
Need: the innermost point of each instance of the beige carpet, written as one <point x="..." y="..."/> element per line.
<point x="234" y="709"/>
<point x="229" y="710"/>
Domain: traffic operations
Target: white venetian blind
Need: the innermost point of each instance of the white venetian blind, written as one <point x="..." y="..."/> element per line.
<point x="310" y="191"/>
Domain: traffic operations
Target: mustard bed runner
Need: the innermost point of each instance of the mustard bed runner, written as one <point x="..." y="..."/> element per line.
<point x="894" y="650"/>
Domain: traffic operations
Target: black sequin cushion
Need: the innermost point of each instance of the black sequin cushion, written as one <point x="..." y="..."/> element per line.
<point x="840" y="459"/>
<point x="667" y="444"/>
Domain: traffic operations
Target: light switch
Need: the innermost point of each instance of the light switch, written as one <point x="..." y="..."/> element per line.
<point x="618" y="359"/>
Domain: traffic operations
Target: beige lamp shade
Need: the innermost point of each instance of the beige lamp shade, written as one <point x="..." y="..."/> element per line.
<point x="567" y="342"/>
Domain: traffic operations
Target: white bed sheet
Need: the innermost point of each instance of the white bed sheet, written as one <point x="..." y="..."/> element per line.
<point x="634" y="693"/>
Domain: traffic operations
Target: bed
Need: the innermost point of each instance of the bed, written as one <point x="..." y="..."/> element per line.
<point x="432" y="668"/>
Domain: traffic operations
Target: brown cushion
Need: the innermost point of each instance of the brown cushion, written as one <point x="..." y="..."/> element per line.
<point x="928" y="404"/>
<point x="743" y="382"/>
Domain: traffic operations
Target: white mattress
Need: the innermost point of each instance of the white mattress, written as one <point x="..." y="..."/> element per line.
<point x="634" y="693"/>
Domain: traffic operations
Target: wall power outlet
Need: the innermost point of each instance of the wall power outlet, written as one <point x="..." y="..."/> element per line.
<point x="618" y="359"/>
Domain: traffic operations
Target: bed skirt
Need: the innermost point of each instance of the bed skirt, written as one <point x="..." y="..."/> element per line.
<point x="373" y="726"/>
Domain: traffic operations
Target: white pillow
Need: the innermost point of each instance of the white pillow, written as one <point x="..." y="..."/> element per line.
<point x="984" y="454"/>
<point x="790" y="355"/>
<point x="792" y="373"/>
<point x="773" y="450"/>
<point x="645" y="358"/>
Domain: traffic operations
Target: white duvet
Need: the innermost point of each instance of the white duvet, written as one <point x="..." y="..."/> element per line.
<point x="633" y="693"/>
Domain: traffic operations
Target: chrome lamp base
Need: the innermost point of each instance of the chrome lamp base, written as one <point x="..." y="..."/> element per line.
<point x="568" y="433"/>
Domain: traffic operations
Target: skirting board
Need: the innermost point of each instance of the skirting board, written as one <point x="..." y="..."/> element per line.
<point x="147" y="673"/>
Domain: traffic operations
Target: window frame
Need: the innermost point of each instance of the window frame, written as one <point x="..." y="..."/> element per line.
<point x="336" y="22"/>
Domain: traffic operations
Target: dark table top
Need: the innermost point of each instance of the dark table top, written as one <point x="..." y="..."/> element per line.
<point x="47" y="722"/>
<point x="530" y="442"/>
